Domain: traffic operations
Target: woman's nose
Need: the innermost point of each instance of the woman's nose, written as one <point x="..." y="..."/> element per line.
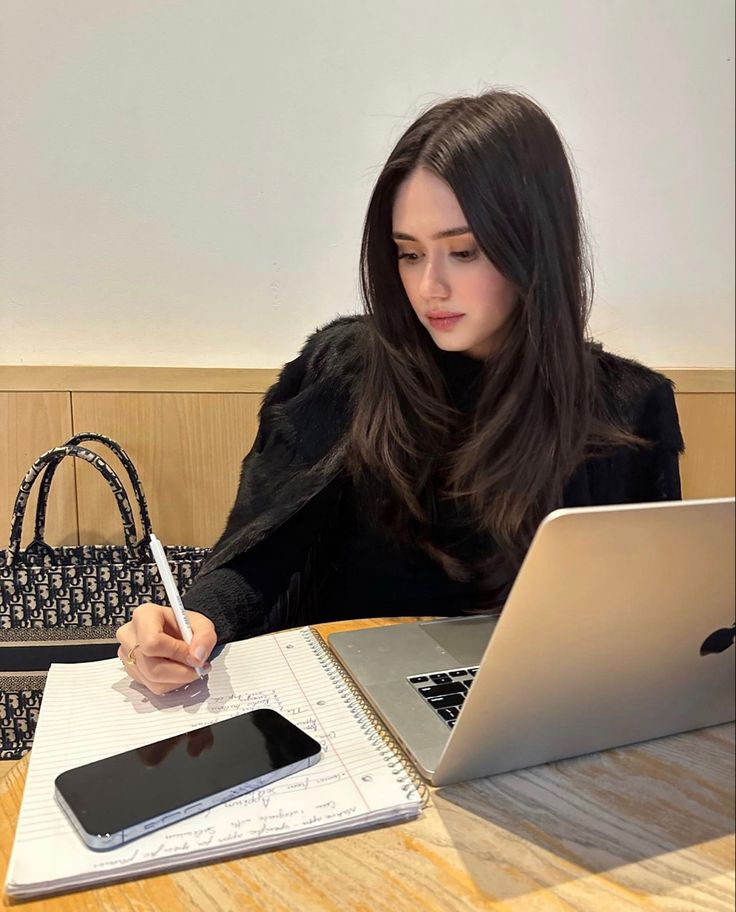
<point x="433" y="283"/>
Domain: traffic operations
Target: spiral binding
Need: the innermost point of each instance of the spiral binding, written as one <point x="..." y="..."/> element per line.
<point x="370" y="723"/>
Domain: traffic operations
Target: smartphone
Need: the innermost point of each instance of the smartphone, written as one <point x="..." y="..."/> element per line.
<point x="115" y="800"/>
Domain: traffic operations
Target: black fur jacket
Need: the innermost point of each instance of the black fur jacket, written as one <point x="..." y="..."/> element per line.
<point x="300" y="445"/>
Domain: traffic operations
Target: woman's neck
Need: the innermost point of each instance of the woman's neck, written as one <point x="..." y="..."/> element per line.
<point x="462" y="375"/>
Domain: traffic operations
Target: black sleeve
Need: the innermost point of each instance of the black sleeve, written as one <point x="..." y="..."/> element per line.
<point x="659" y="423"/>
<point x="237" y="597"/>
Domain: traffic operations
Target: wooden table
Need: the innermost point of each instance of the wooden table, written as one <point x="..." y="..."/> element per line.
<point x="644" y="827"/>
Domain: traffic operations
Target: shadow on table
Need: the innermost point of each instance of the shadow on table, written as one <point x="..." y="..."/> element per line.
<point x="540" y="828"/>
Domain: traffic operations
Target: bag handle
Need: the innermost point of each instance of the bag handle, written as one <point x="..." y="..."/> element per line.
<point x="134" y="479"/>
<point x="54" y="455"/>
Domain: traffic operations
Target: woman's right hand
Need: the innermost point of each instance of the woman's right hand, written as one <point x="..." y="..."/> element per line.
<point x="153" y="652"/>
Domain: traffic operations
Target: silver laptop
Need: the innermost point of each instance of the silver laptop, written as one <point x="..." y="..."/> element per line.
<point x="619" y="628"/>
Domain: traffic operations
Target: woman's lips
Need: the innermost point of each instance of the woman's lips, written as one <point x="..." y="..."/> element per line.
<point x="444" y="320"/>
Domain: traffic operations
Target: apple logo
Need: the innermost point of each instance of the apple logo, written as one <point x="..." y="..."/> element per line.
<point x="719" y="640"/>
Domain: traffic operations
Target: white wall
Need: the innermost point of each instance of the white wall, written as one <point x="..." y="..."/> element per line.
<point x="183" y="182"/>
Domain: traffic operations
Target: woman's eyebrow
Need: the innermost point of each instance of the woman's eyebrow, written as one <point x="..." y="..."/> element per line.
<point x="449" y="232"/>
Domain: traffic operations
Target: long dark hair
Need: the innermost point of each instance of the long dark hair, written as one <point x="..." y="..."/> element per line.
<point x="536" y="415"/>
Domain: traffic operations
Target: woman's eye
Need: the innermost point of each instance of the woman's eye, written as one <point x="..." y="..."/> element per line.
<point x="462" y="255"/>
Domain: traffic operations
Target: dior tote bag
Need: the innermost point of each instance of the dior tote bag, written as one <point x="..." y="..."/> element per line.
<point x="63" y="604"/>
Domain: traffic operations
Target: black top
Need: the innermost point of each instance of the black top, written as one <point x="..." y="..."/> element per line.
<point x="372" y="577"/>
<point x="368" y="576"/>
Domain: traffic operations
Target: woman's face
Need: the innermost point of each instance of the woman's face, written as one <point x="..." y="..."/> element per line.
<point x="459" y="297"/>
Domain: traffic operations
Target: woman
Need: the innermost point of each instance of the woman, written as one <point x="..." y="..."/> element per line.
<point x="405" y="459"/>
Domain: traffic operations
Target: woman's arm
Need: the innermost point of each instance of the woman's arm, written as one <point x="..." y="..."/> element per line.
<point x="659" y="423"/>
<point x="288" y="493"/>
<point x="238" y="596"/>
<point x="297" y="450"/>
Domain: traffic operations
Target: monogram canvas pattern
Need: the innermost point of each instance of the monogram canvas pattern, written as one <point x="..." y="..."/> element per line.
<point x="87" y="586"/>
<point x="20" y="702"/>
<point x="64" y="604"/>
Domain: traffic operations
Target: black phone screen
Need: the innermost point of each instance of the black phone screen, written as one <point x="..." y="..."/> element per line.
<point x="120" y="792"/>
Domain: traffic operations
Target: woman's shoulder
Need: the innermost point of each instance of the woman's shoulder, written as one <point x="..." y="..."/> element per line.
<point x="636" y="396"/>
<point x="333" y="353"/>
<point x="336" y="348"/>
<point x="624" y="378"/>
<point x="328" y="363"/>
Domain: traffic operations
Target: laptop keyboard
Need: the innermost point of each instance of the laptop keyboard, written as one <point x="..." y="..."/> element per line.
<point x="445" y="691"/>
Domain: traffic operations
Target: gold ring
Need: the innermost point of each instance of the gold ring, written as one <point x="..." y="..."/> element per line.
<point x="130" y="658"/>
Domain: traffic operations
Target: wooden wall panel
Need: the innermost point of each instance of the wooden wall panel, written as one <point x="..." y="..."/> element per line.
<point x="30" y="424"/>
<point x="187" y="448"/>
<point x="708" y="466"/>
<point x="29" y="377"/>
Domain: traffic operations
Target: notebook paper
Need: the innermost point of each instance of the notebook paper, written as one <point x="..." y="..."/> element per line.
<point x="93" y="710"/>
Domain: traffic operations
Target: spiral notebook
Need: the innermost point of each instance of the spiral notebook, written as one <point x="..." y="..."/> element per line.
<point x="93" y="710"/>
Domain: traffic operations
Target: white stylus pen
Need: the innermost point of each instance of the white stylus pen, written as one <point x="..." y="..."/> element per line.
<point x="172" y="592"/>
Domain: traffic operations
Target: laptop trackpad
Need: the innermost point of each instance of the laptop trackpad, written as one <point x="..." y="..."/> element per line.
<point x="464" y="638"/>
